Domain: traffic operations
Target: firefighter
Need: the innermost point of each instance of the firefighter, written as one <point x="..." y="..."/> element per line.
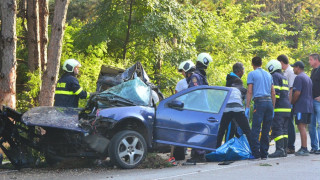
<point x="68" y="90"/>
<point x="199" y="77"/>
<point x="282" y="109"/>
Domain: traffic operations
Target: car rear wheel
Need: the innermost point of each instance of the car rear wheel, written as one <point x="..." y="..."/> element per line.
<point x="127" y="149"/>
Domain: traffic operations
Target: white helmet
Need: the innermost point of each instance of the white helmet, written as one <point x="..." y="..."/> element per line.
<point x="186" y="66"/>
<point x="204" y="58"/>
<point x="273" y="65"/>
<point x="70" y="64"/>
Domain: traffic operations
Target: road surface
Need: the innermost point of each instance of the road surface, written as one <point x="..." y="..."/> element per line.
<point x="291" y="167"/>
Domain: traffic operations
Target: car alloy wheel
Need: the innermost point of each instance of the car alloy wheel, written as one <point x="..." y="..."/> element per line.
<point x="128" y="149"/>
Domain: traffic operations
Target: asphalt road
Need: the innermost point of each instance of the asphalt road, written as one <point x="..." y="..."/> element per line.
<point x="291" y="167"/>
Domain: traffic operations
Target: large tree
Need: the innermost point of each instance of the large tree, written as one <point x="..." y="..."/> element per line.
<point x="50" y="75"/>
<point x="8" y="63"/>
<point x="43" y="31"/>
<point x="34" y="61"/>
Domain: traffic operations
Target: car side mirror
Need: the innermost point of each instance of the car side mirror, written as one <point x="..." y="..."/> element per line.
<point x="176" y="104"/>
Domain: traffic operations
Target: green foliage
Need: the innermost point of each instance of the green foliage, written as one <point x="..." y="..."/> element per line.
<point x="28" y="97"/>
<point x="91" y="59"/>
<point x="163" y="33"/>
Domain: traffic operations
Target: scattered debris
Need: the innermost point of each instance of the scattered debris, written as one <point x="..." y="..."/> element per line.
<point x="226" y="162"/>
<point x="189" y="163"/>
<point x="154" y="161"/>
<point x="265" y="164"/>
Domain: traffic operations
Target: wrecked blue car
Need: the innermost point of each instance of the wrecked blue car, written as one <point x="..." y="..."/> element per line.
<point x="122" y="121"/>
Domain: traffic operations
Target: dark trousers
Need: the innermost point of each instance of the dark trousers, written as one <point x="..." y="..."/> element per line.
<point x="231" y="131"/>
<point x="291" y="132"/>
<point x="280" y="125"/>
<point x="262" y="114"/>
<point x="241" y="120"/>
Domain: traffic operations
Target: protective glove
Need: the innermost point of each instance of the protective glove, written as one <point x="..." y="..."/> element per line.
<point x="247" y="113"/>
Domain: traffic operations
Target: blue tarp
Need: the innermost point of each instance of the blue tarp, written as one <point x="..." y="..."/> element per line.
<point x="232" y="150"/>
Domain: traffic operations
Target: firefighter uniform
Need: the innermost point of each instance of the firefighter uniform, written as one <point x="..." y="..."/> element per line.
<point x="282" y="108"/>
<point x="198" y="78"/>
<point x="68" y="91"/>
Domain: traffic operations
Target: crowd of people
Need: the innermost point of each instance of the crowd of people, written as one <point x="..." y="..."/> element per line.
<point x="282" y="94"/>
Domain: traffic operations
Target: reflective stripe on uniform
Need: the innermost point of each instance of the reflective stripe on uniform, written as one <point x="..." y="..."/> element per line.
<point x="277" y="96"/>
<point x="280" y="137"/>
<point x="284" y="81"/>
<point x="61" y="85"/>
<point x="78" y="92"/>
<point x="281" y="88"/>
<point x="69" y="92"/>
<point x="282" y="110"/>
<point x="64" y="92"/>
<point x="88" y="95"/>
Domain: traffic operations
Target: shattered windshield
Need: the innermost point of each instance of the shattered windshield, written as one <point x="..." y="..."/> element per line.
<point x="132" y="92"/>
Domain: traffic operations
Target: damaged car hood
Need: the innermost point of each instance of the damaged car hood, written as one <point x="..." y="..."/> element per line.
<point x="54" y="117"/>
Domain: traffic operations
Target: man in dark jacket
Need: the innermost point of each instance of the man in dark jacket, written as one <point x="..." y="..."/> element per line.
<point x="68" y="90"/>
<point x="234" y="110"/>
<point x="234" y="78"/>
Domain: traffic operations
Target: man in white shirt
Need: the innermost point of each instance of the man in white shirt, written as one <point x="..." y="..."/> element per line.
<point x="185" y="68"/>
<point x="181" y="85"/>
<point x="289" y="74"/>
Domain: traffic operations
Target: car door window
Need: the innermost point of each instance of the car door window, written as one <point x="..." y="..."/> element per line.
<point x="205" y="100"/>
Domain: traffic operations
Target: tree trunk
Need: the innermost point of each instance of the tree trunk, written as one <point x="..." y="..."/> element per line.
<point x="34" y="62"/>
<point x="128" y="31"/>
<point x="43" y="28"/>
<point x="8" y="53"/>
<point x="158" y="64"/>
<point x="50" y="76"/>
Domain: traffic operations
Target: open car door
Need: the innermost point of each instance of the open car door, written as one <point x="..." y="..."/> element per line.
<point x="191" y="117"/>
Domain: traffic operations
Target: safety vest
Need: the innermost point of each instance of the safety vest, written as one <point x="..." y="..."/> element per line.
<point x="68" y="91"/>
<point x="280" y="84"/>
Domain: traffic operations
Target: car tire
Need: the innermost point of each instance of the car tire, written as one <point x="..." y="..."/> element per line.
<point x="127" y="149"/>
<point x="178" y="153"/>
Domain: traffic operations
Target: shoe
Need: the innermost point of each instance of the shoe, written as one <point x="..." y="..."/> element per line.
<point x="172" y="159"/>
<point x="263" y="158"/>
<point x="253" y="158"/>
<point x="317" y="152"/>
<point x="313" y="151"/>
<point x="290" y="151"/>
<point x="285" y="146"/>
<point x="279" y="150"/>
<point x="196" y="159"/>
<point x="302" y="152"/>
